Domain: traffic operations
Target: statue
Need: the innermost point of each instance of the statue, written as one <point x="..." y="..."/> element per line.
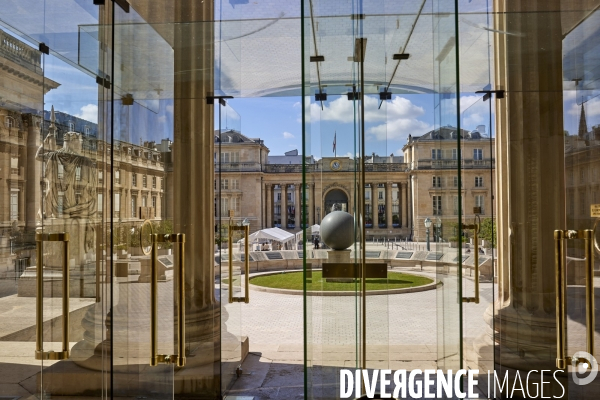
<point x="69" y="205"/>
<point x="71" y="178"/>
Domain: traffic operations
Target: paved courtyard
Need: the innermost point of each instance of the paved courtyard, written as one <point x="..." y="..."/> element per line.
<point x="402" y="333"/>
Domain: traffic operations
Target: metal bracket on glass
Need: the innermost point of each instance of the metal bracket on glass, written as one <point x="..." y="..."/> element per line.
<point x="475" y="227"/>
<point x="560" y="236"/>
<point x="40" y="354"/>
<point x="246" y="298"/>
<point x="210" y="99"/>
<point x="178" y="359"/>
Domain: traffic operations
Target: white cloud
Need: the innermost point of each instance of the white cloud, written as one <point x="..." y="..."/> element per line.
<point x="399" y="129"/>
<point x="287" y="135"/>
<point x="592" y="108"/>
<point x="89" y="113"/>
<point x="296" y="105"/>
<point x="342" y="110"/>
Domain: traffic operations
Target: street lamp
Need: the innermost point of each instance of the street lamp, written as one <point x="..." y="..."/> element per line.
<point x="438" y="225"/>
<point x="427" y="226"/>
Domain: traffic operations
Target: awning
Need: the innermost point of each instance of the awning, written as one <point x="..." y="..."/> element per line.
<point x="271" y="234"/>
<point x="313" y="230"/>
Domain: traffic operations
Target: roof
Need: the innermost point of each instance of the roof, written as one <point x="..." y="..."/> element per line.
<point x="233" y="136"/>
<point x="276" y="234"/>
<point x="449" y="133"/>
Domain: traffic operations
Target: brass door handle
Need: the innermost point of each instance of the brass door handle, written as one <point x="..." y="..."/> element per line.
<point x="246" y="298"/>
<point x="40" y="354"/>
<point x="562" y="360"/>
<point x="179" y="358"/>
<point x="475" y="227"/>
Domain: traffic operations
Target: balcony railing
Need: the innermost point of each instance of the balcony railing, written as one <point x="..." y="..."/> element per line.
<point x="241" y="166"/>
<point x="451" y="164"/>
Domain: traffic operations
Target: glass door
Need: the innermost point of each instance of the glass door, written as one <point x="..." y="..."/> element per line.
<point x="54" y="227"/>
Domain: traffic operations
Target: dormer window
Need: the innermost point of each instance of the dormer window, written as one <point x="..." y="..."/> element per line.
<point x="9" y="122"/>
<point x="86" y="130"/>
<point x="71" y="127"/>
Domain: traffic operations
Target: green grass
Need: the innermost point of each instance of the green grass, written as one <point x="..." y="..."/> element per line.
<point x="293" y="280"/>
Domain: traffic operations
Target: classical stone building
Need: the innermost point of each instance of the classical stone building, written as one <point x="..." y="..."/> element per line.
<point x="266" y="190"/>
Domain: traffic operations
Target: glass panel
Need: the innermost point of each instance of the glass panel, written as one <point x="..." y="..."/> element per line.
<point x="447" y="205"/>
<point x="142" y="138"/>
<point x="228" y="146"/>
<point x="51" y="111"/>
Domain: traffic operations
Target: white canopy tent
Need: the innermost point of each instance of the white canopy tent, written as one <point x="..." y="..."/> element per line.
<point x="313" y="230"/>
<point x="269" y="235"/>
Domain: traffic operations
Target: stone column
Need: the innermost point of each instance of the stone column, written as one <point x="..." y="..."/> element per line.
<point x="284" y="204"/>
<point x="374" y="203"/>
<point x="530" y="181"/>
<point x="311" y="204"/>
<point x="409" y="205"/>
<point x="297" y="205"/>
<point x="388" y="204"/>
<point x="268" y="206"/>
<point x="403" y="204"/>
<point x="193" y="174"/>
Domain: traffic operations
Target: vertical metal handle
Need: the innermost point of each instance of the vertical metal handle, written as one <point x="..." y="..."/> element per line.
<point x="561" y="302"/>
<point x="40" y="354"/>
<point x="246" y="298"/>
<point x="588" y="235"/>
<point x="562" y="360"/>
<point x="475" y="299"/>
<point x="179" y="358"/>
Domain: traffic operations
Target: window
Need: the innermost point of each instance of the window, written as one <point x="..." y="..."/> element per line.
<point x="454" y="154"/>
<point x="224" y="157"/>
<point x="277" y="209"/>
<point x="162" y="183"/>
<point x="144" y="201"/>
<point x="14" y="206"/>
<point x="455" y="204"/>
<point x="9" y="122"/>
<point x="279" y="196"/>
<point x="479" y="181"/>
<point x="235" y="157"/>
<point x="289" y="197"/>
<point x="144" y="181"/>
<point x="235" y="204"/>
<point x="71" y="127"/>
<point x="86" y="130"/>
<point x="224" y="183"/>
<point x="154" y="202"/>
<point x="100" y="176"/>
<point x="437" y="205"/>
<point x="437" y="182"/>
<point x="117" y="176"/>
<point x="153" y="182"/>
<point x="479" y="202"/>
<point x="235" y="184"/>
<point x="477" y="154"/>
<point x="134" y="179"/>
<point x="61" y="171"/>
<point x="380" y="196"/>
<point x="133" y="206"/>
<point x="77" y="173"/>
<point x="100" y="202"/>
<point x="60" y="202"/>
<point x="117" y="205"/>
<point x="436" y="154"/>
<point x="14" y="165"/>
<point x="224" y="205"/>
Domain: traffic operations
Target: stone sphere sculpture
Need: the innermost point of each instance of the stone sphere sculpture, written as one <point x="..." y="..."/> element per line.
<point x="337" y="230"/>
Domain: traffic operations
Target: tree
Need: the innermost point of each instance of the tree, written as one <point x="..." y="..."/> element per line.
<point x="487" y="231"/>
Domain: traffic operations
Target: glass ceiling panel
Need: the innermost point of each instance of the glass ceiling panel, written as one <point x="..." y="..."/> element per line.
<point x="258" y="44"/>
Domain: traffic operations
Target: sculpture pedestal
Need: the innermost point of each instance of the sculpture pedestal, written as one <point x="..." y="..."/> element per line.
<point x="341" y="257"/>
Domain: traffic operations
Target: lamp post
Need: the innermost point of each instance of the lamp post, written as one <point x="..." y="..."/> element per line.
<point x="427" y="226"/>
<point x="438" y="225"/>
